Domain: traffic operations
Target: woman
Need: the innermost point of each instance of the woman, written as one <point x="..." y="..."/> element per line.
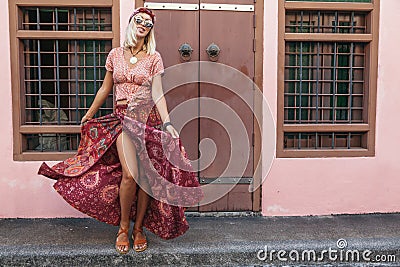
<point x="122" y="156"/>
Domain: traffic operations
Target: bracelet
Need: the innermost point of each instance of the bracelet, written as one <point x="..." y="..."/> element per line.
<point x="165" y="125"/>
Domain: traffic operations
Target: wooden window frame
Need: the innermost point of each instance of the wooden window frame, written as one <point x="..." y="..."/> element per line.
<point x="17" y="62"/>
<point x="371" y="41"/>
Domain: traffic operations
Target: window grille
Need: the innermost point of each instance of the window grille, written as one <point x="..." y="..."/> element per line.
<point x="323" y="140"/>
<point x="324" y="82"/>
<point x="66" y="19"/>
<point x="326" y="21"/>
<point x="61" y="78"/>
<point x="61" y="52"/>
<point x="328" y="78"/>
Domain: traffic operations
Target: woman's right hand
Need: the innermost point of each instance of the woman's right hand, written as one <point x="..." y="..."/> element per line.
<point x="172" y="131"/>
<point x="85" y="119"/>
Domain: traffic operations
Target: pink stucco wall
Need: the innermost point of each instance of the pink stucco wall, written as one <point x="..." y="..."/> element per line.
<point x="293" y="186"/>
<point x="22" y="192"/>
<point x="340" y="185"/>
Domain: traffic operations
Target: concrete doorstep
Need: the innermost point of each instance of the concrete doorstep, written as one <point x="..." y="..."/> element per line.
<point x="343" y="240"/>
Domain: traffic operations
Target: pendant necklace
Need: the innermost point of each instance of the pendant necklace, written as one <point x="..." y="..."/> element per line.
<point x="133" y="58"/>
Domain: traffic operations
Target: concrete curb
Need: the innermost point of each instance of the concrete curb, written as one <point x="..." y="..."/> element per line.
<point x="211" y="241"/>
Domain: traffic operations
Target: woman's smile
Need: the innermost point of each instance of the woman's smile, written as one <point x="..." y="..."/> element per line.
<point x="141" y="30"/>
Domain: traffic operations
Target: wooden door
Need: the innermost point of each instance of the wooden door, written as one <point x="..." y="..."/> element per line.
<point x="229" y="28"/>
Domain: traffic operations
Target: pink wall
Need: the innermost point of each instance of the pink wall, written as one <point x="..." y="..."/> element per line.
<point x="293" y="187"/>
<point x="340" y="185"/>
<point x="23" y="193"/>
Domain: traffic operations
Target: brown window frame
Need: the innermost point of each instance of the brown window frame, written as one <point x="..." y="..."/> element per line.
<point x="371" y="66"/>
<point x="16" y="51"/>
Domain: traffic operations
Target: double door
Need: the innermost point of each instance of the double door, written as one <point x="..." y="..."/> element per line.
<point x="213" y="113"/>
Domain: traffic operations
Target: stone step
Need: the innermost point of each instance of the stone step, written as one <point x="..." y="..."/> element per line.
<point x="210" y="241"/>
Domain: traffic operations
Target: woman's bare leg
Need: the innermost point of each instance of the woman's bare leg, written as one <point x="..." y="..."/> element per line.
<point x="142" y="204"/>
<point x="127" y="156"/>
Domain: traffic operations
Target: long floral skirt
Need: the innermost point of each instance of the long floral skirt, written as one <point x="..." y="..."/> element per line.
<point x="89" y="181"/>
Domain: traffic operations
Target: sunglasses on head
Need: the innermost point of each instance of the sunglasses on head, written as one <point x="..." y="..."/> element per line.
<point x="147" y="23"/>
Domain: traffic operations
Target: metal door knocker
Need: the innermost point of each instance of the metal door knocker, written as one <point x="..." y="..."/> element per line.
<point x="186" y="52"/>
<point x="213" y="52"/>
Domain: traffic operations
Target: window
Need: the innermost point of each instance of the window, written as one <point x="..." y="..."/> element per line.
<point x="58" y="56"/>
<point x="327" y="78"/>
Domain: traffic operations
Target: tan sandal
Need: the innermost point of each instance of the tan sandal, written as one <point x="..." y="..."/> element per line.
<point x="122" y="243"/>
<point x="139" y="244"/>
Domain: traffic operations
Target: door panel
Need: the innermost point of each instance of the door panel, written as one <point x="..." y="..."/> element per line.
<point x="238" y="199"/>
<point x="176" y="28"/>
<point x="236" y="45"/>
<point x="233" y="32"/>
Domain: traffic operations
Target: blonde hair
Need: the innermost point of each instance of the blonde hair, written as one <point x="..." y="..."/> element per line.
<point x="131" y="41"/>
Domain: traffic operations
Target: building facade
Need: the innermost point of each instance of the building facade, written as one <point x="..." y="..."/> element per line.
<point x="326" y="71"/>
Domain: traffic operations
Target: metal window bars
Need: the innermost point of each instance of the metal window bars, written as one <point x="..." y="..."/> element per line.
<point x="51" y="142"/>
<point x="326" y="22"/>
<point x="327" y="140"/>
<point x="61" y="76"/>
<point x="66" y="19"/>
<point x="324" y="81"/>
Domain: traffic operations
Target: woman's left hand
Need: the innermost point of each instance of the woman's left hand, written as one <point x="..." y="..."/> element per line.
<point x="172" y="131"/>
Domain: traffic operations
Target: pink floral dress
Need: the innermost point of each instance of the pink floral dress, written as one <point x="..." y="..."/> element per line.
<point x="89" y="181"/>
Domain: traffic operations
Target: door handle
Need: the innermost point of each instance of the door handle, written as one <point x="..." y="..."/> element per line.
<point x="186" y="51"/>
<point x="213" y="51"/>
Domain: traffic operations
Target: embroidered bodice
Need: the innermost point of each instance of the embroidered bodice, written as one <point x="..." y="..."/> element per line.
<point x="133" y="82"/>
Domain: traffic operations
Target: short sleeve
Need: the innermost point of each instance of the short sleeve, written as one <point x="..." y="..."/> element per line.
<point x="110" y="60"/>
<point x="158" y="66"/>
